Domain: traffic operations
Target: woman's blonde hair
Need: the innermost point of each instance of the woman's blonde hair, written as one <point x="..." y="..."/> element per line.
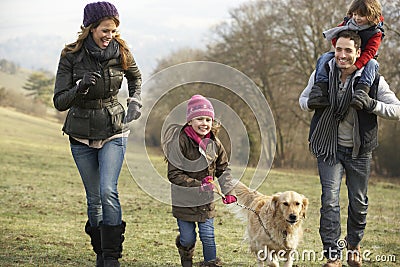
<point x="371" y="9"/>
<point x="126" y="56"/>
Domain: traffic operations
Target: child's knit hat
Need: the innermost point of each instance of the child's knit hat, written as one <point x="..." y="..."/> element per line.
<point x="198" y="106"/>
<point x="98" y="10"/>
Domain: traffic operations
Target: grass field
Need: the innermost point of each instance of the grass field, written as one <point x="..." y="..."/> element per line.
<point x="43" y="209"/>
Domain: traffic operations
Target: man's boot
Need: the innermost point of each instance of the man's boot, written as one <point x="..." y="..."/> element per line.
<point x="318" y="97"/>
<point x="186" y="253"/>
<point x="112" y="237"/>
<point x="214" y="263"/>
<point x="95" y="240"/>
<point x="354" y="258"/>
<point x="354" y="102"/>
<point x="333" y="263"/>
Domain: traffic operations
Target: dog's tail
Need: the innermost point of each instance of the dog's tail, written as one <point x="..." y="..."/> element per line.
<point x="245" y="196"/>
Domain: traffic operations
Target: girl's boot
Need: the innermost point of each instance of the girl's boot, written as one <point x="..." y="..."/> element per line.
<point x="186" y="253"/>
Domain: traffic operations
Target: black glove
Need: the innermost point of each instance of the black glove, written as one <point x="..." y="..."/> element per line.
<point x="133" y="112"/>
<point x="318" y="97"/>
<point x="368" y="103"/>
<point x="316" y="91"/>
<point x="89" y="79"/>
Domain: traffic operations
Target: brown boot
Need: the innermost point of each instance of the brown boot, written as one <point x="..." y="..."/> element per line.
<point x="354" y="258"/>
<point x="333" y="263"/>
<point x="186" y="253"/>
<point x="214" y="263"/>
<point x="354" y="102"/>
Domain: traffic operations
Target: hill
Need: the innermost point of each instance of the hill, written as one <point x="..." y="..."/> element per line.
<point x="14" y="82"/>
<point x="43" y="208"/>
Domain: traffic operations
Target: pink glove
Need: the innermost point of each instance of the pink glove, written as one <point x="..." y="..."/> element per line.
<point x="206" y="184"/>
<point x="229" y="199"/>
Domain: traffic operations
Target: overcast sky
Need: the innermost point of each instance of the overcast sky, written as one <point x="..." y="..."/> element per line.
<point x="148" y="25"/>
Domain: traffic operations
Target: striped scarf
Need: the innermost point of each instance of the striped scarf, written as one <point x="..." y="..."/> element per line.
<point x="323" y="141"/>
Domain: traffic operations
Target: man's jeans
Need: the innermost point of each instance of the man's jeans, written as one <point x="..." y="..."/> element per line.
<point x="187" y="232"/>
<point x="357" y="173"/>
<point x="367" y="75"/>
<point x="99" y="170"/>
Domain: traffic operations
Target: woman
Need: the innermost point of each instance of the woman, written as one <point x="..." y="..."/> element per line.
<point x="89" y="76"/>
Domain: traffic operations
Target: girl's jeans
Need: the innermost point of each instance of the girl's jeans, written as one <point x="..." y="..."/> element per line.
<point x="99" y="170"/>
<point x="367" y="75"/>
<point x="187" y="232"/>
<point x="357" y="174"/>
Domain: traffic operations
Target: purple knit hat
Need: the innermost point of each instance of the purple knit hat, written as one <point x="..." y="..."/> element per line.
<point x="198" y="106"/>
<point x="95" y="11"/>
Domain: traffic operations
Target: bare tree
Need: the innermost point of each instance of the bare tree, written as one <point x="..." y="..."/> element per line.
<point x="276" y="43"/>
<point x="387" y="155"/>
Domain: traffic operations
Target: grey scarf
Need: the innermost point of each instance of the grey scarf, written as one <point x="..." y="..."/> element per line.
<point x="110" y="52"/>
<point x="350" y="25"/>
<point x="323" y="141"/>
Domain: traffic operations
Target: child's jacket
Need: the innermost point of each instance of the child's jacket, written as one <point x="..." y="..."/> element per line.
<point x="186" y="169"/>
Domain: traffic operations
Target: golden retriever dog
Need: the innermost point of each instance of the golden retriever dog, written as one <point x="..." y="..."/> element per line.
<point x="274" y="223"/>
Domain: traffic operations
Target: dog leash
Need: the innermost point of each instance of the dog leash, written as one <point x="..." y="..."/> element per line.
<point x="265" y="228"/>
<point x="219" y="192"/>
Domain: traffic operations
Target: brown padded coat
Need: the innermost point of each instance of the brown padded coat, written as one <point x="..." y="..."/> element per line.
<point x="218" y="167"/>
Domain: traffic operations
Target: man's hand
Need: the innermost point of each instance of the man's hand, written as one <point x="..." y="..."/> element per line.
<point x="368" y="103"/>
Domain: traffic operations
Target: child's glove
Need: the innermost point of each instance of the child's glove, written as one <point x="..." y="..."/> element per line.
<point x="229" y="199"/>
<point x="206" y="184"/>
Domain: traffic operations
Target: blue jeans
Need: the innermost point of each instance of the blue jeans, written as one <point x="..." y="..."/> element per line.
<point x="99" y="170"/>
<point x="187" y="232"/>
<point x="357" y="174"/>
<point x="367" y="76"/>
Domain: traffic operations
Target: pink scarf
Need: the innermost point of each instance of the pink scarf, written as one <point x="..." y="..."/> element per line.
<point x="195" y="137"/>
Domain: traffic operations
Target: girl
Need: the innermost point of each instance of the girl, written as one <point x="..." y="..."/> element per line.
<point x="196" y="157"/>
<point x="365" y="17"/>
<point x="89" y="76"/>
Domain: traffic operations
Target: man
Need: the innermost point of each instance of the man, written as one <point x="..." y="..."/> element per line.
<point x="342" y="139"/>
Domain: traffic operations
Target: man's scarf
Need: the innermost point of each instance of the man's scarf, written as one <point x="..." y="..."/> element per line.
<point x="323" y="141"/>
